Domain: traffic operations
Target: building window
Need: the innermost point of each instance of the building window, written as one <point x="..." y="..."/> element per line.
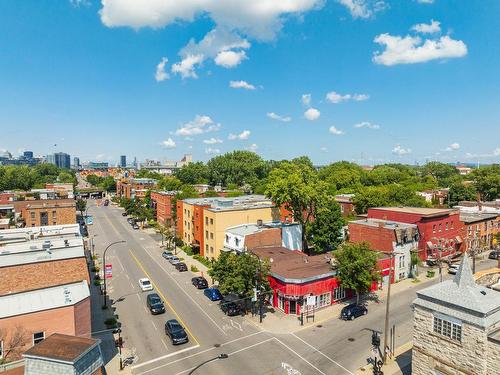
<point x="401" y="262"/>
<point x="446" y="228"/>
<point x="189" y="213"/>
<point x="32" y="215"/>
<point x="189" y="225"/>
<point x="237" y="241"/>
<point x="1" y="349"/>
<point x="206" y="220"/>
<point x="206" y="234"/>
<point x="37" y="337"/>
<point x="185" y="212"/>
<point x="211" y="236"/>
<point x="452" y="224"/>
<point x="211" y="221"/>
<point x="440" y="227"/>
<point x="447" y="328"/>
<point x="434" y="228"/>
<point x="227" y="238"/>
<point x="338" y="293"/>
<point x="206" y="248"/>
<point x="211" y="250"/>
<point x="323" y="300"/>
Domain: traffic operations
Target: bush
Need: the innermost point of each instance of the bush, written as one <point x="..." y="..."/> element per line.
<point x="194" y="268"/>
<point x="181" y="259"/>
<point x="97" y="282"/>
<point x="187" y="249"/>
<point x="95" y="269"/>
<point x="202" y="260"/>
<point x="110" y="322"/>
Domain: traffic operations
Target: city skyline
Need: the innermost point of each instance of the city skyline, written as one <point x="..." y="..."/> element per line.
<point x="364" y="81"/>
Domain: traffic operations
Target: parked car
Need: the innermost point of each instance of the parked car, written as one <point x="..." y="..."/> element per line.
<point x="145" y="284"/>
<point x="124" y="213"/>
<point x="106" y="202"/>
<point x="135" y="226"/>
<point x="131" y="220"/>
<point x="174" y="260"/>
<point x="155" y="304"/>
<point x="231" y="305"/>
<point x="176" y="332"/>
<point x="495" y="254"/>
<point x="212" y="294"/>
<point x="181" y="267"/>
<point x="453" y="268"/>
<point x="199" y="282"/>
<point x="352" y="311"/>
<point x="167" y="255"/>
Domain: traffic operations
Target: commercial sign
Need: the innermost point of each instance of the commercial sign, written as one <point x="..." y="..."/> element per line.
<point x="90" y="220"/>
<point x="311" y="300"/>
<point x="108" y="271"/>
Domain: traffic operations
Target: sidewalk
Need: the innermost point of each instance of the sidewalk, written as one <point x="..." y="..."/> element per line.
<point x="399" y="365"/>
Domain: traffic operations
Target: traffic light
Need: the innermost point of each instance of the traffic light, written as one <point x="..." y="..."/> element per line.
<point x="119" y="342"/>
<point x="375" y="339"/>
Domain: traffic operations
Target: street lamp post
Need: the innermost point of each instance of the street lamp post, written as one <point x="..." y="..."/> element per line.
<point x="258" y="284"/>
<point x="386" y="328"/>
<point x="220" y="356"/>
<point x="104" y="265"/>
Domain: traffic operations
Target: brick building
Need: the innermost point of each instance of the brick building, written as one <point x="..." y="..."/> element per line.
<point x="163" y="204"/>
<point x="479" y="230"/>
<point x="50" y="212"/>
<point x="132" y="188"/>
<point x="456" y="327"/>
<point x="294" y="277"/>
<point x="202" y="222"/>
<point x="440" y="230"/>
<point x="346" y="204"/>
<point x="388" y="237"/>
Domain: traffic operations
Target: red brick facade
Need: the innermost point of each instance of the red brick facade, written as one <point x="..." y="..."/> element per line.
<point x="163" y="205"/>
<point x="379" y="238"/>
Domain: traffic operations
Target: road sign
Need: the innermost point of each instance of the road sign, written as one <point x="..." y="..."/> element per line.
<point x="311" y="300"/>
<point x="108" y="271"/>
<point x="90" y="220"/>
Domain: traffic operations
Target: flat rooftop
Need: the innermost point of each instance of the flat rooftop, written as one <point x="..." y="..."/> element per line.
<point x="422" y="211"/>
<point x="244" y="202"/>
<point x="41" y="250"/>
<point x="473" y="217"/>
<point x="43" y="299"/>
<point x="295" y="267"/>
<point x="387" y="224"/>
<point x="246" y="229"/>
<point x="17" y="235"/>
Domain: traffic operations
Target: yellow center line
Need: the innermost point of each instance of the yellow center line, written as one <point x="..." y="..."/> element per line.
<point x="163" y="297"/>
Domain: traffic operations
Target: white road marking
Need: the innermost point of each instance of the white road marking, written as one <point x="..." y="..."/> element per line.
<point x="189" y="356"/>
<point x="163" y="357"/>
<point x="164" y="344"/>
<point x="289" y="369"/>
<point x="154" y="325"/>
<point x="236" y="325"/>
<point x="298" y="355"/>
<point x="233" y="353"/>
<point x="126" y="275"/>
<point x="139" y="298"/>
<point x="323" y="354"/>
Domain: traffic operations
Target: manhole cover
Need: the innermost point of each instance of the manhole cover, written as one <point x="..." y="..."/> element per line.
<point x="351" y="339"/>
<point x="319" y="325"/>
<point x="217" y="345"/>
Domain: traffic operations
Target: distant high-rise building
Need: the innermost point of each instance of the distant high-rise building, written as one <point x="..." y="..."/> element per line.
<point x="76" y="163"/>
<point x="60" y="159"/>
<point x="28" y="154"/>
<point x="123" y="161"/>
<point x="135" y="164"/>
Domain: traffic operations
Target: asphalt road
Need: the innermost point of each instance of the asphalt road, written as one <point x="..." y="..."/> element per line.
<point x="333" y="347"/>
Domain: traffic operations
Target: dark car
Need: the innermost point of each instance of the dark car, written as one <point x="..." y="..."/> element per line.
<point x="199" y="282"/>
<point x="231" y="305"/>
<point x="124" y="213"/>
<point x="176" y="332"/>
<point x="106" y="202"/>
<point x="495" y="254"/>
<point x="213" y="294"/>
<point x="352" y="311"/>
<point x="155" y="304"/>
<point x="181" y="267"/>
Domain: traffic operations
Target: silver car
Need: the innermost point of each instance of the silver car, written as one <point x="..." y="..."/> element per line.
<point x="174" y="260"/>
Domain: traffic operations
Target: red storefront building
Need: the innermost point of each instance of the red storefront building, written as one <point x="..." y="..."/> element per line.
<point x="440" y="230"/>
<point x="163" y="204"/>
<point x="294" y="277"/>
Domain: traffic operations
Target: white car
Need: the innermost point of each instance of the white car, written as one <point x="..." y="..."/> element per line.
<point x="453" y="269"/>
<point x="145" y="284"/>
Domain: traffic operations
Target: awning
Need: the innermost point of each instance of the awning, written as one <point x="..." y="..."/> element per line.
<point x="458" y="239"/>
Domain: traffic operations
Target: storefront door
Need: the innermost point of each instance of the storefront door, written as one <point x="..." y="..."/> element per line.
<point x="293" y="307"/>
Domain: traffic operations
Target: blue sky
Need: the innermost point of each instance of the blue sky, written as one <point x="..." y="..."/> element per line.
<point x="364" y="80"/>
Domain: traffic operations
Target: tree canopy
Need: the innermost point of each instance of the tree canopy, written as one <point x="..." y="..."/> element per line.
<point x="193" y="173"/>
<point x="487" y="181"/>
<point x="237" y="167"/>
<point x="23" y="177"/>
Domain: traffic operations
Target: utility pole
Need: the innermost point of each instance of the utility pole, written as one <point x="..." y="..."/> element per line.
<point x="386" y="327"/>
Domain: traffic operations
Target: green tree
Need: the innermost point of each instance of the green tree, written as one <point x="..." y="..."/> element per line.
<point x="239" y="273"/>
<point x="342" y="175"/>
<point x="357" y="267"/>
<point x="237" y="167"/>
<point x="487" y="181"/>
<point x="81" y="206"/>
<point x="326" y="228"/>
<point x="193" y="173"/>
<point x="459" y="192"/>
<point x="442" y="172"/>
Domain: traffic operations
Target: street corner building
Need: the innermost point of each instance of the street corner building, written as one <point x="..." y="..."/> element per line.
<point x="301" y="283"/>
<point x="457" y="327"/>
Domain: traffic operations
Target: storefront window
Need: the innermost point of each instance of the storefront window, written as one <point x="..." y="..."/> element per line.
<point x="338" y="293"/>
<point x="323" y="300"/>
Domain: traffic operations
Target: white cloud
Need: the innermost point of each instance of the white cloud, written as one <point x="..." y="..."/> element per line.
<point x="277" y="117"/>
<point x="324" y="149"/>
<point x="230" y="59"/>
<point x="334" y="97"/>
<point x="242" y="136"/>
<point x="335" y="131"/>
<point x="212" y="151"/>
<point x="241" y="85"/>
<point x="412" y="49"/>
<point x="253" y="147"/>
<point x="363" y="8"/>
<point x="161" y="74"/>
<point x="312" y="114"/>
<point x="400" y="151"/>
<point x="494" y="153"/>
<point x="168" y="143"/>
<point x="427" y="28"/>
<point x="187" y="65"/>
<point x="306" y="99"/>
<point x="212" y="141"/>
<point x="200" y="125"/>
<point x="453" y="147"/>
<point x="366" y="124"/>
